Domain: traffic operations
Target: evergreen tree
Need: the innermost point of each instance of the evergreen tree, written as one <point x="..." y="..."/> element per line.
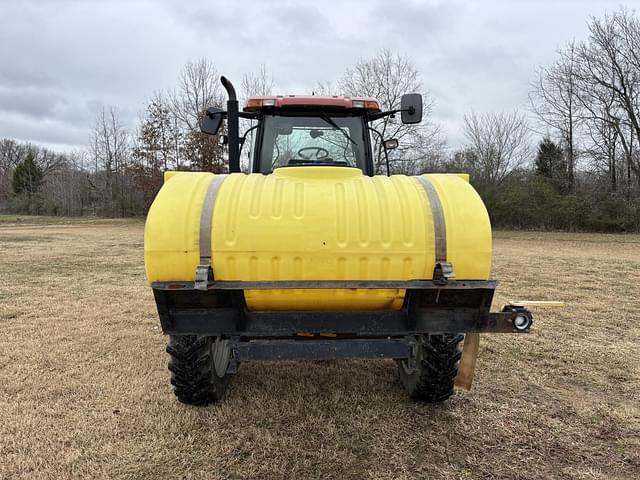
<point x="548" y="158"/>
<point x="551" y="163"/>
<point x="27" y="176"/>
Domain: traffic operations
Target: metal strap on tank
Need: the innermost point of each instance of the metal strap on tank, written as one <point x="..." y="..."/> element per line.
<point x="204" y="273"/>
<point x="443" y="270"/>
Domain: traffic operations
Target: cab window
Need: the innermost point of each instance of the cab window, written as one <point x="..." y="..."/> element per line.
<point x="294" y="140"/>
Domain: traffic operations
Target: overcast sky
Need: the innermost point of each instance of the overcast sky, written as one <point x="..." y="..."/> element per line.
<point x="61" y="59"/>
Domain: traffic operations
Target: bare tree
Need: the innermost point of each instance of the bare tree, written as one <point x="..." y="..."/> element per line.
<point x="386" y="77"/>
<point x="554" y="101"/>
<point x="155" y="149"/>
<point x="602" y="148"/>
<point x="66" y="190"/>
<point x="158" y="137"/>
<point x="496" y="143"/>
<point x="109" y="145"/>
<point x="253" y="84"/>
<point x="326" y="87"/>
<point x="198" y="88"/>
<point x="608" y="77"/>
<point x="257" y="83"/>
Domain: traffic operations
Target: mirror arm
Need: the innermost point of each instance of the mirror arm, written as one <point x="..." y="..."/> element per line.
<point x="244" y="137"/>
<point x="379" y="115"/>
<point x="376" y="116"/>
<point x="382" y="147"/>
<point x="247" y="115"/>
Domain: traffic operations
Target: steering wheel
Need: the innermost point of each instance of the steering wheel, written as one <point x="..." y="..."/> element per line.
<point x="320" y="153"/>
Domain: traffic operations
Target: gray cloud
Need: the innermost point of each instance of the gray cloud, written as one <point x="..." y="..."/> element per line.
<point x="61" y="59"/>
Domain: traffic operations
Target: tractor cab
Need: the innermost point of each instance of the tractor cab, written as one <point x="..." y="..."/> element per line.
<point x="303" y="130"/>
<point x="310" y="130"/>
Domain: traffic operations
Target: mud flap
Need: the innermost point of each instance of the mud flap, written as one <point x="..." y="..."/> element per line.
<point x="464" y="379"/>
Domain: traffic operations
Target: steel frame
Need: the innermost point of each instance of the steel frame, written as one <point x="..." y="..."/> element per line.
<point x="428" y="308"/>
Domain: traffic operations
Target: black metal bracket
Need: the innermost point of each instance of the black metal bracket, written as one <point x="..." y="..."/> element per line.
<point x="457" y="306"/>
<point x="204" y="276"/>
<point x="443" y="273"/>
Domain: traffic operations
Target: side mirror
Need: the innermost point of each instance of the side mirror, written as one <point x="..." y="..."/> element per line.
<point x="211" y="120"/>
<point x="391" y="144"/>
<point x="411" y="106"/>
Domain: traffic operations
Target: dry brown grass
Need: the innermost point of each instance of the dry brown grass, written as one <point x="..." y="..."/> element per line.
<point x="84" y="390"/>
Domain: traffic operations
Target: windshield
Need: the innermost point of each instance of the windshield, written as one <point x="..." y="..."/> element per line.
<point x="311" y="140"/>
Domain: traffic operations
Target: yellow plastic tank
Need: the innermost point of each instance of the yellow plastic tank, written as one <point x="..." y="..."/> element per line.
<point x="317" y="223"/>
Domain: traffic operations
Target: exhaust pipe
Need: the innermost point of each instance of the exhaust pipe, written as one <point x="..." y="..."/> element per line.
<point x="232" y="125"/>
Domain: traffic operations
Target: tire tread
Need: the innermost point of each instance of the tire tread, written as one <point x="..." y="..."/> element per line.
<point x="436" y="370"/>
<point x="192" y="371"/>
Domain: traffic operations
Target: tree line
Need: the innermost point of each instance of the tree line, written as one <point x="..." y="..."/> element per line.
<point x="571" y="161"/>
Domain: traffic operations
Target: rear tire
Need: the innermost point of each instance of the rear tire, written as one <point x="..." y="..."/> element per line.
<point x="198" y="367"/>
<point x="437" y="360"/>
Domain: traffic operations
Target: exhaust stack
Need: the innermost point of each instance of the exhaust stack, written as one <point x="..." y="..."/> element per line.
<point x="232" y="125"/>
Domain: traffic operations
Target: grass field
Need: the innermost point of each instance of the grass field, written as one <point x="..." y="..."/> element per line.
<point x="84" y="390"/>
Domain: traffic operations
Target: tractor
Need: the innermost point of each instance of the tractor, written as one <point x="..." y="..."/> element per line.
<point x="311" y="255"/>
